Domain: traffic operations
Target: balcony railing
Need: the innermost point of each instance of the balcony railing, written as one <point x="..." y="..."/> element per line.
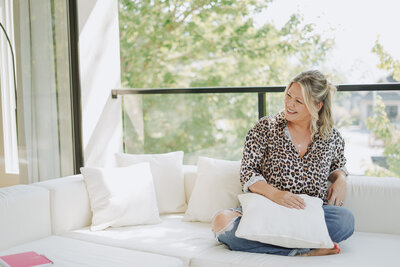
<point x="158" y="120"/>
<point x="260" y="90"/>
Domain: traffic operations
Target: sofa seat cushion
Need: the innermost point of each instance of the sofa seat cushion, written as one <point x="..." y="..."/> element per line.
<point x="67" y="252"/>
<point x="172" y="237"/>
<point x="362" y="249"/>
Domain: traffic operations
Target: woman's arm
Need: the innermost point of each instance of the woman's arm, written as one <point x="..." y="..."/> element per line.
<point x="337" y="190"/>
<point x="338" y="173"/>
<point x="283" y="198"/>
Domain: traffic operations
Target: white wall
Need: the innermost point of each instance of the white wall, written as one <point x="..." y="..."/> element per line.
<point x="99" y="59"/>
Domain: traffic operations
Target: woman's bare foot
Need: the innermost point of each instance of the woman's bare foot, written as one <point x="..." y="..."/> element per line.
<point x="323" y="251"/>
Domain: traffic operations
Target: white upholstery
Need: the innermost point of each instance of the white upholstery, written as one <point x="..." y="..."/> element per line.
<point x="66" y="252"/>
<point x="375" y="203"/>
<point x="190" y="176"/>
<point x="70" y="206"/>
<point x="362" y="249"/>
<point x="24" y="214"/>
<point x="117" y="196"/>
<point x="217" y="187"/>
<point x="172" y="237"/>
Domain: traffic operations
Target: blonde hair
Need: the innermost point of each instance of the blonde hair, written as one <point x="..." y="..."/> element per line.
<point x="317" y="89"/>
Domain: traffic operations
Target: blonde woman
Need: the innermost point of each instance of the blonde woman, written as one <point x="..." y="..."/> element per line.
<point x="294" y="152"/>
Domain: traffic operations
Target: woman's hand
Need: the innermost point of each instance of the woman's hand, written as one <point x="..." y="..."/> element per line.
<point x="337" y="192"/>
<point x="283" y="198"/>
<point x="288" y="200"/>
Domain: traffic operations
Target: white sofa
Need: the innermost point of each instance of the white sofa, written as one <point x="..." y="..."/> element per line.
<point x="53" y="218"/>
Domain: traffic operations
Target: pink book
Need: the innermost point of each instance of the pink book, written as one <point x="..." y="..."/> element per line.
<point x="25" y="259"/>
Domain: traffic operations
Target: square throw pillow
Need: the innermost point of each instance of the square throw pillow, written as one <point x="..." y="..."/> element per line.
<point x="217" y="187"/>
<point x="268" y="222"/>
<point x="167" y="170"/>
<point x="121" y="196"/>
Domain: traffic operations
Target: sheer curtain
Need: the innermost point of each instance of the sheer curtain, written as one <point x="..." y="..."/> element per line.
<point x="44" y="90"/>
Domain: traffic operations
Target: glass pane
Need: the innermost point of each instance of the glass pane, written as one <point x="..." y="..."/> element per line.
<point x="213" y="125"/>
<point x="250" y="43"/>
<point x="361" y="47"/>
<point x="370" y="125"/>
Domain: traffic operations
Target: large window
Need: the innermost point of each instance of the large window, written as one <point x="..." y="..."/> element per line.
<point x="180" y="44"/>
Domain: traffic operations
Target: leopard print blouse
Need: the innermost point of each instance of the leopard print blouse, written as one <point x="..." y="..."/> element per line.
<point x="270" y="155"/>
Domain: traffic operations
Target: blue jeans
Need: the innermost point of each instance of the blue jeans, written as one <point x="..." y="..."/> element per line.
<point x="339" y="221"/>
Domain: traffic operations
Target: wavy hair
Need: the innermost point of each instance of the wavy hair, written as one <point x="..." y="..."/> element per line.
<point x="317" y="89"/>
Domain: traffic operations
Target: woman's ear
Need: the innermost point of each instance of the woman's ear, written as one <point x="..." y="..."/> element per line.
<point x="320" y="104"/>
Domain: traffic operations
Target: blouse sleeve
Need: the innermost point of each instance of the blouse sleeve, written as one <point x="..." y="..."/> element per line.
<point x="338" y="160"/>
<point x="253" y="154"/>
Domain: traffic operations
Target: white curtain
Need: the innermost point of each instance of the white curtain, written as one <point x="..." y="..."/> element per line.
<point x="44" y="102"/>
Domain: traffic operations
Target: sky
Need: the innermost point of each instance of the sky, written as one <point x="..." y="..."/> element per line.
<point x="354" y="24"/>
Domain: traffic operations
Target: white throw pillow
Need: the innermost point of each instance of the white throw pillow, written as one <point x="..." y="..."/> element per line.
<point x="268" y="222"/>
<point x="167" y="170"/>
<point x="216" y="188"/>
<point x="121" y="196"/>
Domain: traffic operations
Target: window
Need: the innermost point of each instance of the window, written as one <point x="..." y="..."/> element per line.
<point x="236" y="43"/>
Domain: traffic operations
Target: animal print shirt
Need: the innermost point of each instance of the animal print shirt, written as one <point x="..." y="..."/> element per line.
<point x="270" y="155"/>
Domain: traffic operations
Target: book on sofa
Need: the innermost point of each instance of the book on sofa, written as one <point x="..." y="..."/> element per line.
<point x="25" y="259"/>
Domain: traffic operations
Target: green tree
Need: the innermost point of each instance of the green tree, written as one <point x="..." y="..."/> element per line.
<point x="382" y="129"/>
<point x="182" y="43"/>
<point x="380" y="124"/>
<point x="386" y="61"/>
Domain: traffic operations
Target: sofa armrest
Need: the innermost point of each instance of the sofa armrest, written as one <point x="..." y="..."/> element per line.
<point x="375" y="203"/>
<point x="24" y="215"/>
<point x="69" y="203"/>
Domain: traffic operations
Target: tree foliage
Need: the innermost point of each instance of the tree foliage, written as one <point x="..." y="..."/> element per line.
<point x="386" y="61"/>
<point x="380" y="124"/>
<point x="382" y="129"/>
<point x="177" y="44"/>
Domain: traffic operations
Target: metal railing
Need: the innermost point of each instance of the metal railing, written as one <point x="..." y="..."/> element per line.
<point x="260" y="90"/>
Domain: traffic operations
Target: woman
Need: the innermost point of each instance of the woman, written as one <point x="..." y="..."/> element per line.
<point x="294" y="152"/>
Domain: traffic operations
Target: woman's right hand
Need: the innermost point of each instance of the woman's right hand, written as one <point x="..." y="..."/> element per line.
<point x="288" y="199"/>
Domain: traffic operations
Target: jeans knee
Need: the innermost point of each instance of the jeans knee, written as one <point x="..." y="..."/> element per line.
<point x="340" y="224"/>
<point x="222" y="221"/>
<point x="348" y="222"/>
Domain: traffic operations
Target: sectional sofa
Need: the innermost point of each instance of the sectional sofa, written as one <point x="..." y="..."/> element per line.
<point x="53" y="218"/>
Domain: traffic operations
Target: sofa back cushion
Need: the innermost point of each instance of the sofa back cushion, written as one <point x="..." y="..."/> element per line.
<point x="375" y="203"/>
<point x="167" y="171"/>
<point x="24" y="215"/>
<point x="70" y="207"/>
<point x="190" y="176"/>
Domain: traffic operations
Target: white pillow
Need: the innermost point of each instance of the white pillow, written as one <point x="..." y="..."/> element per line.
<point x="268" y="222"/>
<point x="167" y="170"/>
<point x="121" y="196"/>
<point x="216" y="188"/>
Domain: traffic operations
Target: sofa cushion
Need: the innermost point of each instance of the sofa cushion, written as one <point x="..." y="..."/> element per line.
<point x="268" y="222"/>
<point x="172" y="237"/>
<point x="71" y="252"/>
<point x="362" y="249"/>
<point x="216" y="188"/>
<point x="24" y="214"/>
<point x="167" y="169"/>
<point x="375" y="203"/>
<point x="190" y="174"/>
<point x="69" y="205"/>
<point x="121" y="196"/>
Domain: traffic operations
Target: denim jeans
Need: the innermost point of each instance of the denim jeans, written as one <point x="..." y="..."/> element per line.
<point x="339" y="221"/>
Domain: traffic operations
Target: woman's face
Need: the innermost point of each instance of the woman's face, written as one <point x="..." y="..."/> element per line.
<point x="295" y="108"/>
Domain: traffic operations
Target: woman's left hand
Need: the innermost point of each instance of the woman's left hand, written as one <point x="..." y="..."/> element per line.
<point x="337" y="192"/>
